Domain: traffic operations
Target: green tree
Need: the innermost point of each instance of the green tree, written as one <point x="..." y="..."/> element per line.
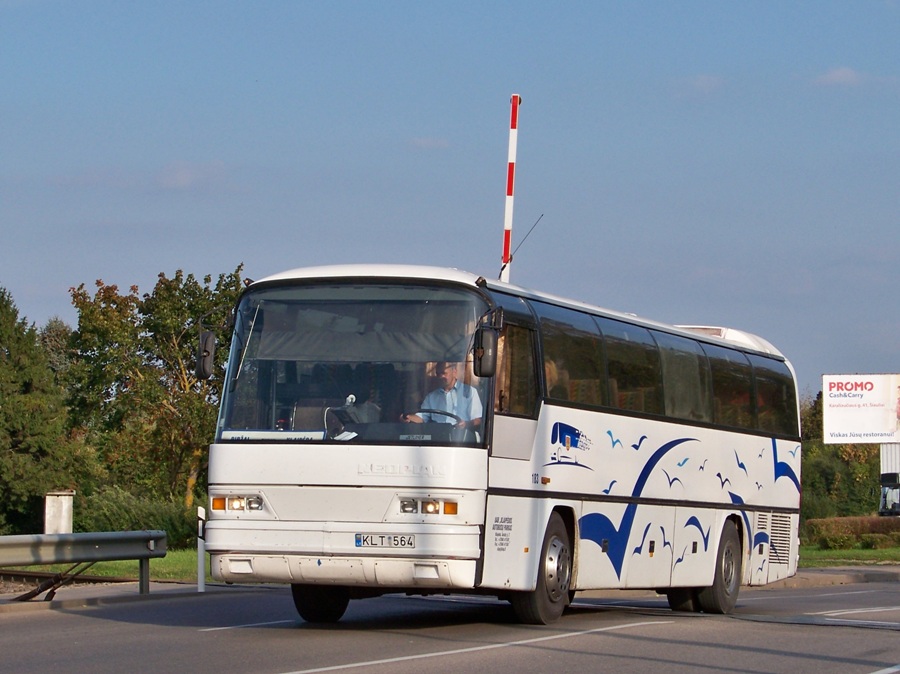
<point x="56" y="338"/>
<point x="133" y="385"/>
<point x="838" y="480"/>
<point x="36" y="453"/>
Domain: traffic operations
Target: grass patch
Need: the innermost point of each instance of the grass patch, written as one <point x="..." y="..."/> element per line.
<point x="812" y="556"/>
<point x="177" y="565"/>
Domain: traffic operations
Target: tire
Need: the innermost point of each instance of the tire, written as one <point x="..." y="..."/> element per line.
<point x="721" y="596"/>
<point x="683" y="599"/>
<point x="546" y="603"/>
<point x="320" y="603"/>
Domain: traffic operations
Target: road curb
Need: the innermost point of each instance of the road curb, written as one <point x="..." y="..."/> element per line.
<point x="823" y="577"/>
<point x="85" y="596"/>
<point x="120" y="593"/>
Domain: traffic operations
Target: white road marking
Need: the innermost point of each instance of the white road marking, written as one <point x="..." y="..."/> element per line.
<point x="849" y="611"/>
<point x="743" y="598"/>
<point x="240" y="627"/>
<point x="476" y="649"/>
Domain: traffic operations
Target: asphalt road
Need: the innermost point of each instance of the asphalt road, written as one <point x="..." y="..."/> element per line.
<point x="808" y="626"/>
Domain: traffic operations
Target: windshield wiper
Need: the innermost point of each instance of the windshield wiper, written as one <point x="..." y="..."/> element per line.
<point x="245" y="343"/>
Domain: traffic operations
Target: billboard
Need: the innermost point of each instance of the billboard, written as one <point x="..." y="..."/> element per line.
<point x="861" y="408"/>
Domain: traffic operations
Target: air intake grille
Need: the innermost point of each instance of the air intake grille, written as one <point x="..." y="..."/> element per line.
<point x="780" y="537"/>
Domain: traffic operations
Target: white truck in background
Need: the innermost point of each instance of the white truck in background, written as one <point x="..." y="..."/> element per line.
<point x="890" y="480"/>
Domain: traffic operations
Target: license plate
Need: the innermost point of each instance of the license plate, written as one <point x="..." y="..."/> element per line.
<point x="385" y="541"/>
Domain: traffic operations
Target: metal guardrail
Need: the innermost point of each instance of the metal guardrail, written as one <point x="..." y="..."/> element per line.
<point x="82" y="549"/>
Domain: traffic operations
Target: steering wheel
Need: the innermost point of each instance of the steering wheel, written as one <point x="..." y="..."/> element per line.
<point x="458" y="418"/>
<point x="464" y="433"/>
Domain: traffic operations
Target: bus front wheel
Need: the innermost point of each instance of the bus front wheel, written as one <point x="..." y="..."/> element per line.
<point x="721" y="596"/>
<point x="548" y="600"/>
<point x="320" y="603"/>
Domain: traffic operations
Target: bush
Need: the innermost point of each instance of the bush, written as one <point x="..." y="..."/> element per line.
<point x="876" y="542"/>
<point x="817" y="530"/>
<point x="114" y="509"/>
<point x="836" y="541"/>
<point x="842" y="533"/>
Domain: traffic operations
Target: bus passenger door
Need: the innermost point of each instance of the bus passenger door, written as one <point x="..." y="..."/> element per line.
<point x="515" y="394"/>
<point x="515" y="521"/>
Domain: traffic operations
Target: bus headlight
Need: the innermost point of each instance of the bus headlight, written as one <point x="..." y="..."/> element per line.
<point x="236" y="503"/>
<point x="412" y="506"/>
<point x="431" y="507"/>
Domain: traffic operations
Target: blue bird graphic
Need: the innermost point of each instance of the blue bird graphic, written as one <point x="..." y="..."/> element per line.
<point x="782" y="469"/>
<point x="666" y="543"/>
<point x="723" y="480"/>
<point x="703" y="467"/>
<point x="681" y="463"/>
<point x="640" y="442"/>
<point x="640" y="549"/>
<point x="613" y="537"/>
<point x="609" y="488"/>
<point x="740" y="463"/>
<point x="694" y="522"/>
<point x="680" y="559"/>
<point x="614" y="439"/>
<point x="672" y="480"/>
<point x="793" y="452"/>
<point x="736" y="499"/>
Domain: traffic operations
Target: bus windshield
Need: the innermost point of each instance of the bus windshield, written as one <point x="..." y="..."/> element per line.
<point x="354" y="362"/>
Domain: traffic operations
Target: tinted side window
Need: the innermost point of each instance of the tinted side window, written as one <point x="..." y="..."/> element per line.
<point x="573" y="356"/>
<point x="633" y="365"/>
<point x="732" y="384"/>
<point x="775" y="395"/>
<point x="686" y="385"/>
<point x="515" y="390"/>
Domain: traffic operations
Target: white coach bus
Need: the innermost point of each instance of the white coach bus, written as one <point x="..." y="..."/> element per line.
<point x="585" y="448"/>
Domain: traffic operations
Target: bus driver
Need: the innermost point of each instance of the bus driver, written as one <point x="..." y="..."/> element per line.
<point x="454" y="397"/>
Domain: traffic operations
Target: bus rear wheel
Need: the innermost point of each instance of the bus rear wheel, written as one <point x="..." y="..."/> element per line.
<point x="683" y="599"/>
<point x="320" y="603"/>
<point x="721" y="596"/>
<point x="546" y="603"/>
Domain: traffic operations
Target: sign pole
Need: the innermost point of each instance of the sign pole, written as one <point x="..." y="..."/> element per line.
<point x="515" y="101"/>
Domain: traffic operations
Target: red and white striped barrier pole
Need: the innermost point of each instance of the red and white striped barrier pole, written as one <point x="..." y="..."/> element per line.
<point x="515" y="101"/>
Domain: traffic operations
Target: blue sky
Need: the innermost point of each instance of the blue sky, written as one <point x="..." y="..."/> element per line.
<point x="696" y="162"/>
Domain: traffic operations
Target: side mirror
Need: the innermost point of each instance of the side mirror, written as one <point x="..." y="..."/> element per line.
<point x="206" y="355"/>
<point x="485" y="352"/>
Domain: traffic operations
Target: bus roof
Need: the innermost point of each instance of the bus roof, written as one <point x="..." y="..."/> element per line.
<point x="734" y="336"/>
<point x="375" y="271"/>
<point x="712" y="334"/>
